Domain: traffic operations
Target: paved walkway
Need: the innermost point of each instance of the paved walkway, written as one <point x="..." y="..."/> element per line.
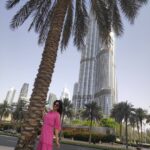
<point x="6" y="148"/>
<point x="67" y="146"/>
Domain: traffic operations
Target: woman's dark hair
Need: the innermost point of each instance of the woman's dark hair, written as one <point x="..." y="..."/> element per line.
<point x="60" y="106"/>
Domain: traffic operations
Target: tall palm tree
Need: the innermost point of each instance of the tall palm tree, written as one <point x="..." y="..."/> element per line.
<point x="141" y="115"/>
<point x="128" y="108"/>
<point x="5" y="109"/>
<point x="67" y="109"/>
<point x="132" y="120"/>
<point x="19" y="113"/>
<point x="118" y="114"/>
<point x="92" y="112"/>
<point x="148" y="119"/>
<point x="53" y="20"/>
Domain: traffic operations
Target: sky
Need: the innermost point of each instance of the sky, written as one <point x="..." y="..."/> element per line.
<point x="20" y="56"/>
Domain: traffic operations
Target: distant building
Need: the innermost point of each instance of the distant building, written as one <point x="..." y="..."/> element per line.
<point x="52" y="97"/>
<point x="97" y="77"/>
<point x="75" y="95"/>
<point x="10" y="96"/>
<point x="24" y="92"/>
<point x="65" y="94"/>
<point x="8" y="118"/>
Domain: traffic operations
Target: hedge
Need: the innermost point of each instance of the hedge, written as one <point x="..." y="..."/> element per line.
<point x="84" y="136"/>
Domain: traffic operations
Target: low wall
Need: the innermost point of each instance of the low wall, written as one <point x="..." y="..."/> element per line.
<point x="100" y="130"/>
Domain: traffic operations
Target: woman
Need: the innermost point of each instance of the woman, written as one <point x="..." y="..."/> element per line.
<point x="51" y="123"/>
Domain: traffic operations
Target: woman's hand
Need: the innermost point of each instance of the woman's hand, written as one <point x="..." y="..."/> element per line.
<point x="57" y="138"/>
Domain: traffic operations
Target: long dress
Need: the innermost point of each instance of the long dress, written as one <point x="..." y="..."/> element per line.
<point x="50" y="121"/>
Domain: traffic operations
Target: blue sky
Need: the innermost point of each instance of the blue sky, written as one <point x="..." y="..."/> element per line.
<point x="20" y="57"/>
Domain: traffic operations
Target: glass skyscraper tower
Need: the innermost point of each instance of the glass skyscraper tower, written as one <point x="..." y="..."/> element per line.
<point x="24" y="92"/>
<point x="10" y="96"/>
<point x="97" y="79"/>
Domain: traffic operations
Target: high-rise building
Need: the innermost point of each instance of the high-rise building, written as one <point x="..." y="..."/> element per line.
<point x="75" y="95"/>
<point x="97" y="79"/>
<point x="24" y="92"/>
<point x="65" y="94"/>
<point x="10" y="96"/>
<point x="52" y="97"/>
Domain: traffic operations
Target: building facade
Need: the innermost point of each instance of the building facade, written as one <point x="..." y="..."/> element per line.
<point x="65" y="94"/>
<point x="24" y="92"/>
<point x="52" y="97"/>
<point x="97" y="79"/>
<point x="10" y="96"/>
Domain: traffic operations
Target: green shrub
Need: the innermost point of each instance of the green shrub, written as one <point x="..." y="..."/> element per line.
<point x="6" y="126"/>
<point x="81" y="136"/>
<point x="84" y="136"/>
<point x="68" y="134"/>
<point x="108" y="138"/>
<point x="96" y="138"/>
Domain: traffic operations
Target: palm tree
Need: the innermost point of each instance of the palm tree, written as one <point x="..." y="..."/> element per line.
<point x="122" y="111"/>
<point x="118" y="114"/>
<point x="5" y="109"/>
<point x="67" y="109"/>
<point x="148" y="119"/>
<point x="141" y="115"/>
<point x="132" y="120"/>
<point x="53" y="20"/>
<point x="138" y="127"/>
<point x="92" y="112"/>
<point x="19" y="114"/>
<point x="20" y="111"/>
<point x="128" y="108"/>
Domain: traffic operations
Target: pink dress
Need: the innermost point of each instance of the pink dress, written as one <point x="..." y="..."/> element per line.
<point x="51" y="120"/>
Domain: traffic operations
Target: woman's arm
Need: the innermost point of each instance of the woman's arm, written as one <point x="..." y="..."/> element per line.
<point x="57" y="137"/>
<point x="57" y="129"/>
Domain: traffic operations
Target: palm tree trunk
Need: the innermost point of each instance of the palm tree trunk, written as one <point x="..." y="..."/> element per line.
<point x="138" y="131"/>
<point x="90" y="132"/>
<point x="126" y="130"/>
<point x="120" y="131"/>
<point x="133" y="135"/>
<point x="141" y="132"/>
<point x="62" y="122"/>
<point x="42" y="81"/>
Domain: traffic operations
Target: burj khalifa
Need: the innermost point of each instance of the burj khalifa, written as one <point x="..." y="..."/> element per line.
<point x="97" y="78"/>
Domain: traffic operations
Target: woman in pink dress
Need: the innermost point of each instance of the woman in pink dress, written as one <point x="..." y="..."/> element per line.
<point x="51" y="124"/>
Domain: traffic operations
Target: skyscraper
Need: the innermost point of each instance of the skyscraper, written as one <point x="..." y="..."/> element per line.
<point x="52" y="97"/>
<point x="97" y="80"/>
<point x="24" y="92"/>
<point x="10" y="96"/>
<point x="65" y="94"/>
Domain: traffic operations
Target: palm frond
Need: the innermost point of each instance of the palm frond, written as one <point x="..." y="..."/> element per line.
<point x="24" y="13"/>
<point x="36" y="15"/>
<point x="130" y="9"/>
<point x="143" y="1"/>
<point x="117" y="24"/>
<point x="43" y="33"/>
<point x="100" y="10"/>
<point x="11" y="3"/>
<point x="41" y="15"/>
<point x="80" y="24"/>
<point x="67" y="27"/>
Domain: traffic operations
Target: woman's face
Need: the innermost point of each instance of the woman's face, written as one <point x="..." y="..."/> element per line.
<point x="56" y="106"/>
